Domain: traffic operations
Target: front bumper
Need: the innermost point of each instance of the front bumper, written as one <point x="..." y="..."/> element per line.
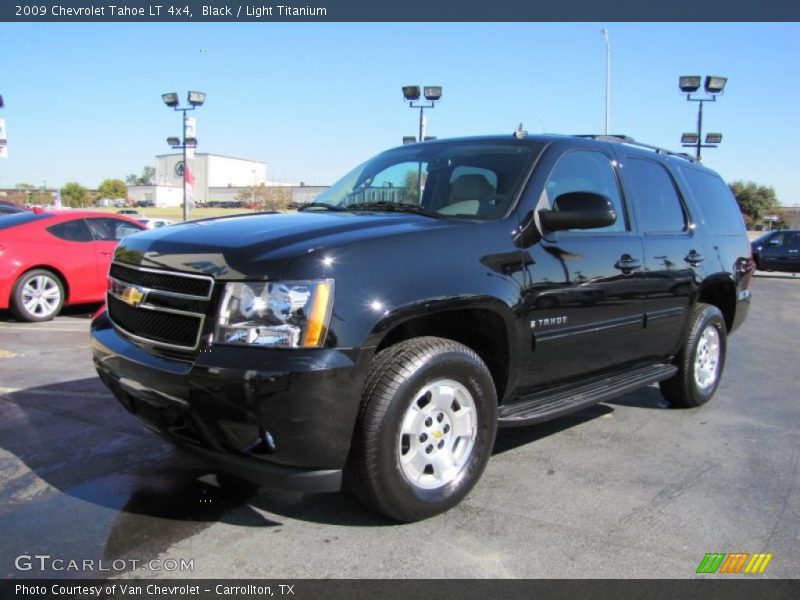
<point x="279" y="417"/>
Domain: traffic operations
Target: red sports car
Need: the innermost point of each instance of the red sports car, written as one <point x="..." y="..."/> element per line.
<point x="52" y="258"/>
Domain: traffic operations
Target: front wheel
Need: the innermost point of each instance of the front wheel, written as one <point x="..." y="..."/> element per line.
<point x="701" y="360"/>
<point x="37" y="296"/>
<point x="426" y="428"/>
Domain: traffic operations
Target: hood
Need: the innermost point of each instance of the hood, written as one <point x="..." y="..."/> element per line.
<point x="231" y="247"/>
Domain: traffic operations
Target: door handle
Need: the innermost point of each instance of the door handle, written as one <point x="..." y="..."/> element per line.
<point x="627" y="263"/>
<point x="694" y="258"/>
<point x="106" y="253"/>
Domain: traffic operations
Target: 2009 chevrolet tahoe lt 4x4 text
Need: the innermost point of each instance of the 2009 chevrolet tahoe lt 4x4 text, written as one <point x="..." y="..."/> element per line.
<point x="378" y="337"/>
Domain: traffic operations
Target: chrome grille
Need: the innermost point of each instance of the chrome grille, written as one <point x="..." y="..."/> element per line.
<point x="162" y="308"/>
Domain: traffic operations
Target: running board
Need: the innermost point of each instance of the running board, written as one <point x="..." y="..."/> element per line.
<point x="549" y="404"/>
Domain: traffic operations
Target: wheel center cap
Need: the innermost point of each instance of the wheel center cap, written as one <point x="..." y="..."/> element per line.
<point x="437" y="434"/>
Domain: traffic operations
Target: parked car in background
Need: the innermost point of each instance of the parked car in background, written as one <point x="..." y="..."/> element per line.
<point x="777" y="251"/>
<point x="155" y="223"/>
<point x="49" y="259"/>
<point x="7" y="208"/>
<point x="128" y="211"/>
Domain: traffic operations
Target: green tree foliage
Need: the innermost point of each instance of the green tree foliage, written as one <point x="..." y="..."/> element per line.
<point x="146" y="178"/>
<point x="411" y="188"/>
<point x="756" y="202"/>
<point x="266" y="197"/>
<point x="74" y="195"/>
<point x="25" y="186"/>
<point x="113" y="189"/>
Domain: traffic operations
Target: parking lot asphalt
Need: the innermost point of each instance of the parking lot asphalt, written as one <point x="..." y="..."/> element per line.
<point x="629" y="488"/>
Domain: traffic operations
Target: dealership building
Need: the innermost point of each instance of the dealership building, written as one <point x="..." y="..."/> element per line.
<point x="217" y="178"/>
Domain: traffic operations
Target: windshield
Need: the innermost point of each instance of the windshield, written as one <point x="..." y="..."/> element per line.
<point x="475" y="180"/>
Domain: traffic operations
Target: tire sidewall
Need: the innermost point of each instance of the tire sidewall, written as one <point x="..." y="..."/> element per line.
<point x="472" y="375"/>
<point x="17" y="306"/>
<point x="710" y="316"/>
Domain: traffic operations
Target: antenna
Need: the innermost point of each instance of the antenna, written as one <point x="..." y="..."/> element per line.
<point x="520" y="133"/>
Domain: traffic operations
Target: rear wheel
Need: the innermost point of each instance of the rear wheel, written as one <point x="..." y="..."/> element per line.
<point x="37" y="296"/>
<point x="700" y="361"/>
<point x="426" y="429"/>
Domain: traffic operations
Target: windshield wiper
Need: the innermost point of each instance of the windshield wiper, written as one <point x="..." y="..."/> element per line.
<point x="398" y="206"/>
<point x="323" y="205"/>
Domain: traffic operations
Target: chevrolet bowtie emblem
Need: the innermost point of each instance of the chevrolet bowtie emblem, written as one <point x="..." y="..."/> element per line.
<point x="133" y="295"/>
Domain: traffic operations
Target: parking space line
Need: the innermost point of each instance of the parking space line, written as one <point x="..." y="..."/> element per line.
<point x="45" y="329"/>
<point x="4" y="391"/>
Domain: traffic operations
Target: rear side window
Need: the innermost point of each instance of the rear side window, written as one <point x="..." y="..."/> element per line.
<point x="720" y="212"/>
<point x="72" y="231"/>
<point x="111" y="230"/>
<point x="14" y="219"/>
<point x="658" y="207"/>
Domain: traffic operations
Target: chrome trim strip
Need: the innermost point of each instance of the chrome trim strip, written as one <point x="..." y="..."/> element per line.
<point x="208" y="278"/>
<point x="546" y="336"/>
<point x="664" y="313"/>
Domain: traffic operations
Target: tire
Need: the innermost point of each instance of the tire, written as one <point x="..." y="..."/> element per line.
<point x="701" y="360"/>
<point x="425" y="431"/>
<point x="37" y="296"/>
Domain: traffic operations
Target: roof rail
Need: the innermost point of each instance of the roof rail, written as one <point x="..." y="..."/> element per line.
<point x="624" y="139"/>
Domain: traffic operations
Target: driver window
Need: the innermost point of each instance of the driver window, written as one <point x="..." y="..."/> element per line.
<point x="587" y="171"/>
<point x="777" y="241"/>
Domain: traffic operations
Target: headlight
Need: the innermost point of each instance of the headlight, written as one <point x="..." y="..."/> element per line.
<point x="284" y="314"/>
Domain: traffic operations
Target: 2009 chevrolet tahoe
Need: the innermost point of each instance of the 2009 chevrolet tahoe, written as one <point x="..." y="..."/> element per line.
<point x="380" y="335"/>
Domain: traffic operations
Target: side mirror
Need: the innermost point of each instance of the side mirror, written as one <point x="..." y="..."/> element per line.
<point x="578" y="210"/>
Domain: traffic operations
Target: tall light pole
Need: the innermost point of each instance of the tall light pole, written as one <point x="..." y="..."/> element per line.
<point x="194" y="99"/>
<point x="3" y="141"/>
<point x="608" y="80"/>
<point x="432" y="93"/>
<point x="689" y="84"/>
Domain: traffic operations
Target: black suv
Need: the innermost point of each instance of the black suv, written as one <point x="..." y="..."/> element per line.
<point x="379" y="337"/>
<point x="778" y="251"/>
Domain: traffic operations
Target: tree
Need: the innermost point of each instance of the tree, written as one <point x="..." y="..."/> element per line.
<point x="266" y="197"/>
<point x="756" y="201"/>
<point x="74" y="195"/>
<point x="146" y="178"/>
<point x="113" y="189"/>
<point x="25" y="186"/>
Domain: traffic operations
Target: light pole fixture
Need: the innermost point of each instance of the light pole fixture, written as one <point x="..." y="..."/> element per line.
<point x="608" y="79"/>
<point x="713" y="86"/>
<point x="172" y="101"/>
<point x="413" y="93"/>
